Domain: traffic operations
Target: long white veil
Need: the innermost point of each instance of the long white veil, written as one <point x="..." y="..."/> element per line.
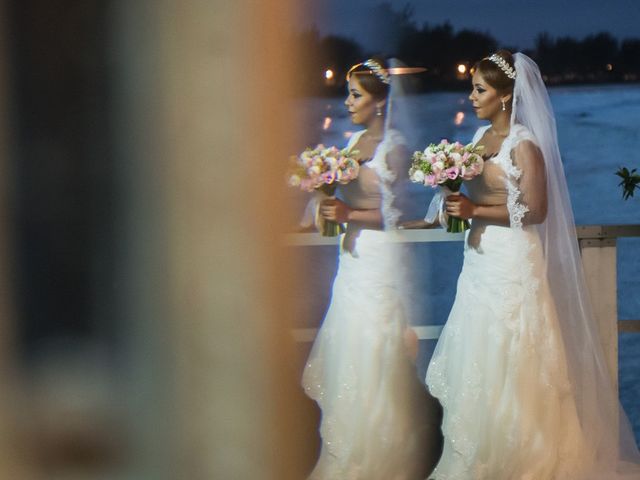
<point x="602" y="418"/>
<point x="400" y="131"/>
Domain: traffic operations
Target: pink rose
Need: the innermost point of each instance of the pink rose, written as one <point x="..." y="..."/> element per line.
<point x="328" y="177"/>
<point x="452" y="173"/>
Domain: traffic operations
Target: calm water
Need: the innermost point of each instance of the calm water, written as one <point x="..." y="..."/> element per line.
<point x="598" y="130"/>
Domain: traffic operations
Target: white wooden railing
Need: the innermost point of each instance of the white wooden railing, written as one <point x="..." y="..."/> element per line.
<point x="598" y="247"/>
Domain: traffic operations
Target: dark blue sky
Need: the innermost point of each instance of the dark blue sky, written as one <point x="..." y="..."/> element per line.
<point x="512" y="22"/>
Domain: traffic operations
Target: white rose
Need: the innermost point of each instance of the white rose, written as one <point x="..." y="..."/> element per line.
<point x="294" y="180"/>
<point x="418" y="176"/>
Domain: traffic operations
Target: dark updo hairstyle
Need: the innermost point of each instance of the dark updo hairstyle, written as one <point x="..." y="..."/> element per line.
<point x="494" y="75"/>
<point x="369" y="80"/>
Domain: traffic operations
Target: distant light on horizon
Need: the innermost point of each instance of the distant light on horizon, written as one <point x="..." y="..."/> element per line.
<point x="459" y="118"/>
<point x="609" y="67"/>
<point x="328" y="74"/>
<point x="462" y="68"/>
<point x="327" y="123"/>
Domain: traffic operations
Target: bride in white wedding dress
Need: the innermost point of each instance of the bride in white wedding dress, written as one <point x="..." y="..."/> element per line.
<point x="359" y="371"/>
<point x="518" y="368"/>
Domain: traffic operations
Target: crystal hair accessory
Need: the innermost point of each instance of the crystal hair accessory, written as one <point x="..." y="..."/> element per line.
<point x="378" y="71"/>
<point x="504" y="66"/>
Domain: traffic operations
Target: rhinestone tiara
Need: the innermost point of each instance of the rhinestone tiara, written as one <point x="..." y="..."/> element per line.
<point x="378" y="71"/>
<point x="504" y="66"/>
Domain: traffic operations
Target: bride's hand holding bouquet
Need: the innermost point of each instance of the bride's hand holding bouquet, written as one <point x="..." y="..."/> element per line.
<point x="320" y="170"/>
<point x="446" y="165"/>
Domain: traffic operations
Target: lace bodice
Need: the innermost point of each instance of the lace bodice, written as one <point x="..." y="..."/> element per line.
<point x="515" y="177"/>
<point x="488" y="188"/>
<point x="372" y="188"/>
<point x="363" y="192"/>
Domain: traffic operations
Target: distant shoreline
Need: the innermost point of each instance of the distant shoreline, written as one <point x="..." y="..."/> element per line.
<point x="339" y="92"/>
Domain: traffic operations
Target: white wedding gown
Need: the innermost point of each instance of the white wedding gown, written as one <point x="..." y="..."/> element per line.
<point x="358" y="370"/>
<point x="499" y="368"/>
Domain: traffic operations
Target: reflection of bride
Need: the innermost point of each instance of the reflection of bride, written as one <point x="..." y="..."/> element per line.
<point x="359" y="371"/>
<point x="519" y="368"/>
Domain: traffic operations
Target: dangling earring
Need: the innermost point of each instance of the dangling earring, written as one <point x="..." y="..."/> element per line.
<point x="504" y="107"/>
<point x="378" y="111"/>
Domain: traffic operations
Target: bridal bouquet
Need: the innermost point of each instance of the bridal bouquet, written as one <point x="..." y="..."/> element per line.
<point x="321" y="169"/>
<point x="446" y="165"/>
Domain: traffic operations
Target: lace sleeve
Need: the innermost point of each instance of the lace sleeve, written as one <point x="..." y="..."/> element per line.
<point x="527" y="200"/>
<point x="389" y="163"/>
<point x="396" y="202"/>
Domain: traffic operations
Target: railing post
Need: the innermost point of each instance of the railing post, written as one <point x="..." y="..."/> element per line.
<point x="599" y="262"/>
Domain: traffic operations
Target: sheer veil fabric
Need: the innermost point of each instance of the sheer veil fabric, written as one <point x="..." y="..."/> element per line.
<point x="599" y="411"/>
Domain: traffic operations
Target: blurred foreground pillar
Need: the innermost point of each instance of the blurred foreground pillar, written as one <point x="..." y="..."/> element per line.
<point x="13" y="461"/>
<point x="5" y="308"/>
<point x="203" y="128"/>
